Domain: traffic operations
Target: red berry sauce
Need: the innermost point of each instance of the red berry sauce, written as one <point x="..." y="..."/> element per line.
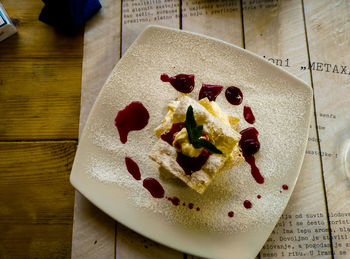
<point x="210" y="91"/>
<point x="192" y="164"/>
<point x="188" y="164"/>
<point x="234" y="95"/>
<point x="259" y="196"/>
<point x="249" y="145"/>
<point x="154" y="187"/>
<point x="230" y="214"/>
<point x="182" y="82"/>
<point x="169" y="136"/>
<point x="248" y="114"/>
<point x="285" y="187"/>
<point x="133" y="168"/>
<point x="247" y="204"/>
<point x="174" y="200"/>
<point x="133" y="117"/>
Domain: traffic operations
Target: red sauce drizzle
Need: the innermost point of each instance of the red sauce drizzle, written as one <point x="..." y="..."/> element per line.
<point x="249" y="144"/>
<point x="133" y="117"/>
<point x="230" y="214"/>
<point x="192" y="164"/>
<point x="234" y="95"/>
<point x="182" y="82"/>
<point x="169" y="136"/>
<point x="174" y="200"/>
<point x="285" y="187"/>
<point x="133" y="168"/>
<point x="259" y="196"/>
<point x="154" y="187"/>
<point x="248" y="114"/>
<point x="210" y="91"/>
<point x="188" y="164"/>
<point x="247" y="204"/>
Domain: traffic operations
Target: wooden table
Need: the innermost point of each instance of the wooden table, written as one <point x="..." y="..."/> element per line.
<point x="40" y="81"/>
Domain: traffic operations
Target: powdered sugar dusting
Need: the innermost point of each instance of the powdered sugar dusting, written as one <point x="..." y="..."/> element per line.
<point x="279" y="105"/>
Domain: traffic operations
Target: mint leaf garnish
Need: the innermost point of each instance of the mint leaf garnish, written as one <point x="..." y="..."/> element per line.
<point x="207" y="145"/>
<point x="195" y="132"/>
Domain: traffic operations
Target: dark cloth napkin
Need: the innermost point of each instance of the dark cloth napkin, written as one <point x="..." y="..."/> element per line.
<point x="68" y="15"/>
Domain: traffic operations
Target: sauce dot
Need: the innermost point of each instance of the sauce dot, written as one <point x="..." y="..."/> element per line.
<point x="190" y="206"/>
<point x="259" y="196"/>
<point x="247" y="204"/>
<point x="133" y="117"/>
<point x="285" y="187"/>
<point x="248" y="114"/>
<point x="154" y="187"/>
<point x="181" y="82"/>
<point x="133" y="168"/>
<point x="210" y="91"/>
<point x="198" y="209"/>
<point x="234" y="95"/>
<point x="230" y="214"/>
<point x="175" y="200"/>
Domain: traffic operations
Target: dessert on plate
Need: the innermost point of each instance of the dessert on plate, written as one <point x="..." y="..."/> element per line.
<point x="197" y="141"/>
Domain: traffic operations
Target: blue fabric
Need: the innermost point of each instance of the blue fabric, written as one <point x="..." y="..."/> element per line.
<point x="68" y="16"/>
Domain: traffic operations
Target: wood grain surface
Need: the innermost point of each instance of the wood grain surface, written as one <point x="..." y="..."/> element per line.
<point x="40" y="80"/>
<point x="36" y="201"/>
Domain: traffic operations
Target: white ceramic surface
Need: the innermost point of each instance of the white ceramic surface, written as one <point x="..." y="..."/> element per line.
<point x="281" y="104"/>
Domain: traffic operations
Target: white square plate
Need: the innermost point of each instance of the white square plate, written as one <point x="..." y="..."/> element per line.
<point x="281" y="104"/>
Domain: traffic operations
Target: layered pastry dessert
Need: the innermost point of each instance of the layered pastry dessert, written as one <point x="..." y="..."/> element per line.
<point x="197" y="141"/>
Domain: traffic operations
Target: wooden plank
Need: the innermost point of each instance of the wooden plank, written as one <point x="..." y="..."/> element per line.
<point x="328" y="32"/>
<point x="39" y="98"/>
<point x="275" y="30"/>
<point x="36" y="199"/>
<point x="36" y="39"/>
<point x="39" y="79"/>
<point x="94" y="231"/>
